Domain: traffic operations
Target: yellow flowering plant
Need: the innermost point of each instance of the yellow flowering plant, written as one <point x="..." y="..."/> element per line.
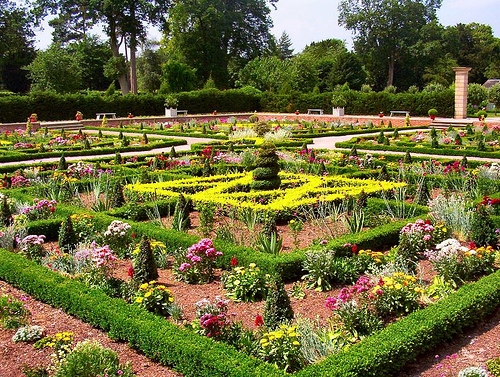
<point x="296" y="190"/>
<point x="282" y="347"/>
<point x="61" y="345"/>
<point x="84" y="227"/>
<point x="155" y="297"/>
<point x="246" y="284"/>
<point x="397" y="294"/>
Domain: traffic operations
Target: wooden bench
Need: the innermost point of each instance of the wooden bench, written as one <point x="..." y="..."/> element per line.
<point x="402" y="112"/>
<point x="109" y="115"/>
<point x="185" y="112"/>
<point x="311" y="111"/>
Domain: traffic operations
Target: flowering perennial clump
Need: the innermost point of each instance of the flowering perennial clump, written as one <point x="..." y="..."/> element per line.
<point x="40" y="210"/>
<point x="282" y="347"/>
<point x="31" y="246"/>
<point x="213" y="318"/>
<point x="457" y="263"/>
<point x="246" y="284"/>
<point x="197" y="264"/>
<point x="155" y="297"/>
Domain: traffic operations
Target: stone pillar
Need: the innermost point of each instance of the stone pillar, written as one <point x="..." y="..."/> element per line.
<point x="461" y="83"/>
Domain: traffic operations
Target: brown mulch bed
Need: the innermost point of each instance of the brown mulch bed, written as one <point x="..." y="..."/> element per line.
<point x="14" y="355"/>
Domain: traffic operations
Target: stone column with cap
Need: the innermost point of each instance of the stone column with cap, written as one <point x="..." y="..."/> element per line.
<point x="461" y="85"/>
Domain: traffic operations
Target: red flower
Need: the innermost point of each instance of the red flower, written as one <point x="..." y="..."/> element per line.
<point x="428" y="222"/>
<point x="472" y="245"/>
<point x="234" y="261"/>
<point x="354" y="248"/>
<point x="131" y="271"/>
<point x="259" y="321"/>
<point x="133" y="235"/>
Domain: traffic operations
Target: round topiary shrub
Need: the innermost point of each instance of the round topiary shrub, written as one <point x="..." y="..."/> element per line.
<point x="265" y="175"/>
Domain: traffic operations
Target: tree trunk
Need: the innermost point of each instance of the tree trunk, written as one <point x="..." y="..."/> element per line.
<point x="115" y="50"/>
<point x="390" y="73"/>
<point x="133" y="65"/>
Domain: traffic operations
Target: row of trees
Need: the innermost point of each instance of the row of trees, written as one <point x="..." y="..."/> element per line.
<point x="227" y="43"/>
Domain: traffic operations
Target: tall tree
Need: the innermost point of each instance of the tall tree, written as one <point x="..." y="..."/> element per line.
<point x="385" y="31"/>
<point x="92" y="55"/>
<point x="214" y="36"/>
<point x="285" y="46"/>
<point x="125" y="22"/>
<point x="473" y="45"/>
<point x="55" y="70"/>
<point x="16" y="46"/>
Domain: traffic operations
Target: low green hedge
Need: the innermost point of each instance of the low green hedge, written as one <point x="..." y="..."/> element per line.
<point x="160" y="132"/>
<point x="388" y="351"/>
<point x="381" y="354"/>
<point x="157" y="338"/>
<point x="93" y="152"/>
<point x="421" y="150"/>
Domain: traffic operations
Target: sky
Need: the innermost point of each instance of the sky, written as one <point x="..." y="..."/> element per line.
<point x="308" y="21"/>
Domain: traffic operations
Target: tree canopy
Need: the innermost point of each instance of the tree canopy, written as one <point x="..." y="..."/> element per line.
<point x="219" y="36"/>
<point x="385" y="31"/>
<point x="16" y="46"/>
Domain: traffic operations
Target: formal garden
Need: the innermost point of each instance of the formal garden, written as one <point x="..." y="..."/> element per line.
<point x="252" y="254"/>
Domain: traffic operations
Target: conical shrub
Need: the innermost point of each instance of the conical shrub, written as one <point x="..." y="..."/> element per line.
<point x="278" y="309"/>
<point x="145" y="269"/>
<point x="67" y="236"/>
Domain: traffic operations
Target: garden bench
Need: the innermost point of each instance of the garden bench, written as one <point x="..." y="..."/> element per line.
<point x="311" y="111"/>
<point x="402" y="112"/>
<point x="185" y="112"/>
<point x="99" y="115"/>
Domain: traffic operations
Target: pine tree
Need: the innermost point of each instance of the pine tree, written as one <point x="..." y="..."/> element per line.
<point x="395" y="134"/>
<point x="383" y="174"/>
<point x="207" y="168"/>
<point x="62" y="163"/>
<point x="464" y="163"/>
<point x="381" y="137"/>
<point x="125" y="141"/>
<point x="5" y="212"/>
<point x="117" y="198"/>
<point x="407" y="159"/>
<point x="354" y="151"/>
<point x="67" y="236"/>
<point x="322" y="169"/>
<point x="63" y="133"/>
<point x="118" y="159"/>
<point x="433" y="132"/>
<point x="278" y="309"/>
<point x="99" y="134"/>
<point x="86" y="144"/>
<point x="120" y="136"/>
<point x="145" y="138"/>
<point x="161" y="127"/>
<point x="434" y="143"/>
<point x="173" y="153"/>
<point x="304" y="147"/>
<point x="145" y="269"/>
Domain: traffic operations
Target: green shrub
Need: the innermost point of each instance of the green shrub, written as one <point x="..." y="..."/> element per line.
<point x="67" y="236"/>
<point x="145" y="269"/>
<point x="90" y="359"/>
<point x="482" y="228"/>
<point x="265" y="175"/>
<point x="278" y="309"/>
<point x="494" y="366"/>
<point x="13" y="314"/>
